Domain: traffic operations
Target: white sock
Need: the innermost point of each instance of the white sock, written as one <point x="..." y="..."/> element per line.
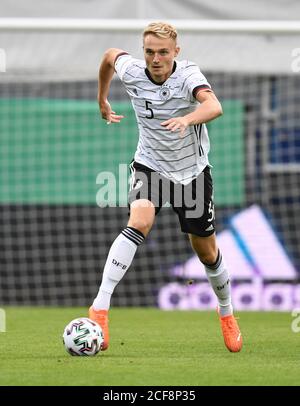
<point x="218" y="277"/>
<point x="118" y="261"/>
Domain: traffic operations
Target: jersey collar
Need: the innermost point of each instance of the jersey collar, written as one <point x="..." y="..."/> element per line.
<point x="159" y="83"/>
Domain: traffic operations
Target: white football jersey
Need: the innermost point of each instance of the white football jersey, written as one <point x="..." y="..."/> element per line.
<point x="180" y="159"/>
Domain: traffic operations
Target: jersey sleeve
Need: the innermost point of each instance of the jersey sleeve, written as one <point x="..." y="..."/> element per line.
<point x="122" y="63"/>
<point x="195" y="81"/>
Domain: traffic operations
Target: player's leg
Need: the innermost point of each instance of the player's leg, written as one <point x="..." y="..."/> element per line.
<point x="121" y="254"/>
<point x="201" y="230"/>
<point x="142" y="215"/>
<point x="123" y="249"/>
<point x="217" y="274"/>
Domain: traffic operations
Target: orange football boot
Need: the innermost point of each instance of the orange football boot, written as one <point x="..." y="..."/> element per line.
<point x="231" y="333"/>
<point x="101" y="317"/>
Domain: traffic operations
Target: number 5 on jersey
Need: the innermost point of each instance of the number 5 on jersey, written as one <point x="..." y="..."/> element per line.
<point x="149" y="110"/>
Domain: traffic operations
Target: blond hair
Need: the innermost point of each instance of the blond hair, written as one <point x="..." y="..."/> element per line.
<point x="161" y="30"/>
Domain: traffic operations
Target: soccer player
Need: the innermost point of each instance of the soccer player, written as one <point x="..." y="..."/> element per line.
<point x="172" y="101"/>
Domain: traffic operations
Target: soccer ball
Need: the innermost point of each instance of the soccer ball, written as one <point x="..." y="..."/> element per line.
<point x="83" y="336"/>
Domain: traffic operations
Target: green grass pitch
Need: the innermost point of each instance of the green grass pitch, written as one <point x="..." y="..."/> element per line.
<point x="149" y="347"/>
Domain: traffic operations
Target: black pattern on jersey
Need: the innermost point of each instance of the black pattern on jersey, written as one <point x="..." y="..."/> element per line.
<point x="176" y="160"/>
<point x="172" y="150"/>
<point x="183" y="169"/>
<point x="175" y="139"/>
<point x="198" y="131"/>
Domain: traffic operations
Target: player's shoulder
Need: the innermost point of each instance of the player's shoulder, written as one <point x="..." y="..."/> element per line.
<point x="128" y="67"/>
<point x="127" y="58"/>
<point x="186" y="64"/>
<point x="186" y="67"/>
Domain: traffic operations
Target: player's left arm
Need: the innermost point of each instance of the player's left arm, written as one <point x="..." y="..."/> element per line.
<point x="209" y="109"/>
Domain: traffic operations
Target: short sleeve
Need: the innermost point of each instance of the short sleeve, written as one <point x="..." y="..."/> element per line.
<point x="195" y="80"/>
<point x="122" y="64"/>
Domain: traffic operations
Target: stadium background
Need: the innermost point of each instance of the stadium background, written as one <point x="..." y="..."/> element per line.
<point x="53" y="237"/>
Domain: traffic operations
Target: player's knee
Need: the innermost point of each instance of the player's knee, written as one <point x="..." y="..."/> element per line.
<point x="143" y="225"/>
<point x="142" y="215"/>
<point x="207" y="255"/>
<point x="205" y="248"/>
<point x="208" y="258"/>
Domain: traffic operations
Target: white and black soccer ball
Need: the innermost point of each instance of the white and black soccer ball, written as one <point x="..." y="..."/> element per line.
<point x="83" y="336"/>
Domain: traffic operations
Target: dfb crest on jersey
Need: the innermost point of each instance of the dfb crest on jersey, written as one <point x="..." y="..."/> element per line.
<point x="164" y="93"/>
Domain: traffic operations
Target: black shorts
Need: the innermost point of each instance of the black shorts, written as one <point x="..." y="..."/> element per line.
<point x="193" y="203"/>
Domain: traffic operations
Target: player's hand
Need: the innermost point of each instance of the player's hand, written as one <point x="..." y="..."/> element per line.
<point x="176" y="124"/>
<point x="108" y="114"/>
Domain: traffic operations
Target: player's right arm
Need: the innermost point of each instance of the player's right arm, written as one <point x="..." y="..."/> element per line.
<point x="106" y="72"/>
